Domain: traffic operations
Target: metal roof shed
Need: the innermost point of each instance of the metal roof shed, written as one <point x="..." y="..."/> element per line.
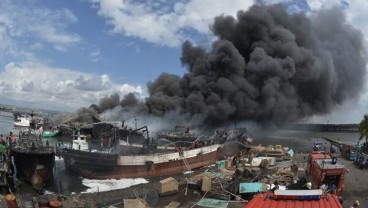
<point x="268" y="200"/>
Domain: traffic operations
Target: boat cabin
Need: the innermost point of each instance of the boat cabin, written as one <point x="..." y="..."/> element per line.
<point x="80" y="142"/>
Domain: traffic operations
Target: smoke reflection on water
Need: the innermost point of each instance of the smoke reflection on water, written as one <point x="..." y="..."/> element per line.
<point x="65" y="182"/>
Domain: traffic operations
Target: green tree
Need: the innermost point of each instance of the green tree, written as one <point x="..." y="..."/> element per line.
<point x="363" y="128"/>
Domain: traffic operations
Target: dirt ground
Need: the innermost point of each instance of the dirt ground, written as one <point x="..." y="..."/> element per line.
<point x="356" y="188"/>
<point x="356" y="185"/>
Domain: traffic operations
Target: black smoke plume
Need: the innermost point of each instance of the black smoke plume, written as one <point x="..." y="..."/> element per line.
<point x="266" y="66"/>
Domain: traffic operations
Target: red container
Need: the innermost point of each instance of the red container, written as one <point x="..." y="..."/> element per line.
<point x="11" y="201"/>
<point x="43" y="202"/>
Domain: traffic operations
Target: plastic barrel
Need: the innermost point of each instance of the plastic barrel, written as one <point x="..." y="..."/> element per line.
<point x="56" y="204"/>
<point x="11" y="201"/>
<point x="43" y="202"/>
<point x="28" y="202"/>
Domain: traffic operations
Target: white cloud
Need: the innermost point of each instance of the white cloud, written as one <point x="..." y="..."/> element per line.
<point x="164" y="22"/>
<point x="357" y="15"/>
<point x="135" y="46"/>
<point x="36" y="24"/>
<point x="36" y="46"/>
<point x="57" y="88"/>
<point x="95" y="55"/>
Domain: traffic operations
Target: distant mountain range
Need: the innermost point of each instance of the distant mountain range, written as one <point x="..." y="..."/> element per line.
<point x="9" y="108"/>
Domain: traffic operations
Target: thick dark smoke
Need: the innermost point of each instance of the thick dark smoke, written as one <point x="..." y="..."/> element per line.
<point x="266" y="66"/>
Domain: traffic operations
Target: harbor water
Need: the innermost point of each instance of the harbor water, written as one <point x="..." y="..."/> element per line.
<point x="65" y="182"/>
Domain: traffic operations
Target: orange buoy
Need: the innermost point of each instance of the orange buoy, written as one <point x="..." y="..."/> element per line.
<point x="11" y="201"/>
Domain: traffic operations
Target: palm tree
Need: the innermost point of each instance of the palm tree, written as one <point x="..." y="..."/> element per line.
<point x="363" y="128"/>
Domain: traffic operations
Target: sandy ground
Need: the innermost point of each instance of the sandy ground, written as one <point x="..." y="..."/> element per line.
<point x="356" y="185"/>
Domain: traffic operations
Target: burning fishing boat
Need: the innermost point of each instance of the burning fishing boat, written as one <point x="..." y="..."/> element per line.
<point x="180" y="133"/>
<point x="153" y="161"/>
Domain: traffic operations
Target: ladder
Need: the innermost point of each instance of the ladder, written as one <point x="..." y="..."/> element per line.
<point x="186" y="163"/>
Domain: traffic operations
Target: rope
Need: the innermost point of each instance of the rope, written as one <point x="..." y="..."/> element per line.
<point x="199" y="200"/>
<point x="228" y="191"/>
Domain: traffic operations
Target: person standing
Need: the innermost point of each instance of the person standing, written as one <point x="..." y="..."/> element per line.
<point x="308" y="185"/>
<point x="325" y="147"/>
<point x="275" y="186"/>
<point x="333" y="189"/>
<point x="2" y="141"/>
<point x="323" y="187"/>
<point x="11" y="137"/>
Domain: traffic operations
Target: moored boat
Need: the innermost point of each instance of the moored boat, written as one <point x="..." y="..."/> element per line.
<point x="32" y="159"/>
<point x="149" y="158"/>
<point x="180" y="133"/>
<point x="98" y="165"/>
<point x="80" y="142"/>
<point x="22" y="122"/>
<point x="51" y="133"/>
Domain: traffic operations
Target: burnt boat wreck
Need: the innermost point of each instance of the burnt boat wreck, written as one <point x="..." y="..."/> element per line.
<point x="33" y="160"/>
<point x="148" y="157"/>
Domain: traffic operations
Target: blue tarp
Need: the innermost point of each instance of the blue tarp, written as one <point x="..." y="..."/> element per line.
<point x="212" y="203"/>
<point x="252" y="188"/>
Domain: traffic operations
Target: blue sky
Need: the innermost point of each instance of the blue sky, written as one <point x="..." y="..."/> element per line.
<point x="68" y="54"/>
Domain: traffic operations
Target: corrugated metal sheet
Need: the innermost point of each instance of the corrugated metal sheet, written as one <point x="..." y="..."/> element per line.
<point x="267" y="201"/>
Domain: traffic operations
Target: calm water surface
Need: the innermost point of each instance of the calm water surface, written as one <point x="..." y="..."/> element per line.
<point x="65" y="182"/>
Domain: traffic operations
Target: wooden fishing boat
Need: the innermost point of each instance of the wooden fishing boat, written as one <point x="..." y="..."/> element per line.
<point x="104" y="165"/>
<point x="145" y="158"/>
<point x="33" y="158"/>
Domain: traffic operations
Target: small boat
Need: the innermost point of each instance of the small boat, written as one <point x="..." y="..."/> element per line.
<point x="276" y="151"/>
<point x="22" y="122"/>
<point x="80" y="142"/>
<point x="51" y="133"/>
